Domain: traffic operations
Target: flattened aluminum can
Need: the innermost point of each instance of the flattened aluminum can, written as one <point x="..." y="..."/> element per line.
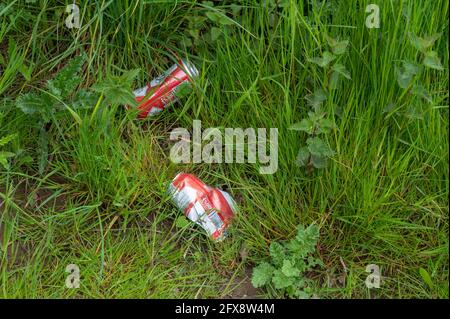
<point x="208" y="207"/>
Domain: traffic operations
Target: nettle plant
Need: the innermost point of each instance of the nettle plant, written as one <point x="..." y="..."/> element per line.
<point x="409" y="73"/>
<point x="316" y="152"/>
<point x="58" y="98"/>
<point x="209" y="27"/>
<point x="289" y="262"/>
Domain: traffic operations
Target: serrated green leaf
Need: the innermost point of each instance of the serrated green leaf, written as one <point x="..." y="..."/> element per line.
<point x="277" y="253"/>
<point x="342" y="70"/>
<point x="67" y="79"/>
<point x="305" y="125"/>
<point x="325" y="126"/>
<point x="316" y="99"/>
<point x="303" y="156"/>
<point x="422" y="92"/>
<point x="281" y="281"/>
<point x="317" y="146"/>
<point x="84" y="100"/>
<point x="29" y="103"/>
<point x="289" y="269"/>
<point x="432" y="61"/>
<point x="262" y="274"/>
<point x="406" y="74"/>
<point x="319" y="161"/>
<point x="334" y="81"/>
<point x="422" y="44"/>
<point x="323" y="61"/>
<point x="117" y="89"/>
<point x="338" y="47"/>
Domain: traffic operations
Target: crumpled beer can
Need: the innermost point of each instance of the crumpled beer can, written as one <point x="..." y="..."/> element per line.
<point x="165" y="89"/>
<point x="208" y="207"/>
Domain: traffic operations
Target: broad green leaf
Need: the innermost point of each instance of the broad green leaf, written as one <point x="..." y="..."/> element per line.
<point x="235" y="9"/>
<point x="281" y="281"/>
<point x="325" y="126"/>
<point x="432" y="61"/>
<point x="415" y="112"/>
<point x="334" y="80"/>
<point x="117" y="89"/>
<point x="182" y="222"/>
<point x="319" y="161"/>
<point x="215" y="33"/>
<point x="341" y="69"/>
<point x="338" y="47"/>
<point x="326" y="58"/>
<point x="305" y="125"/>
<point x="84" y="100"/>
<point x="423" y="44"/>
<point x="316" y="99"/>
<point x="303" y="156"/>
<point x="426" y="277"/>
<point x="422" y="92"/>
<point x="262" y="274"/>
<point x="317" y="146"/>
<point x="277" y="253"/>
<point x="406" y="74"/>
<point x="289" y="269"/>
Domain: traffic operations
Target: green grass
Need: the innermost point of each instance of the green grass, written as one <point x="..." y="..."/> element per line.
<point x="101" y="202"/>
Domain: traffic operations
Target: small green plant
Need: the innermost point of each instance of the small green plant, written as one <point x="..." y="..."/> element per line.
<point x="208" y="28"/>
<point x="316" y="151"/>
<point x="289" y="261"/>
<point x="333" y="71"/>
<point x="409" y="73"/>
<point x="58" y="97"/>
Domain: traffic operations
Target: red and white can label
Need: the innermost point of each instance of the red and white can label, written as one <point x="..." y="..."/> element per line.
<point x="210" y="208"/>
<point x="165" y="89"/>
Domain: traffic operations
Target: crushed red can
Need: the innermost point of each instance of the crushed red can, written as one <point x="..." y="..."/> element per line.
<point x="166" y="88"/>
<point x="208" y="207"/>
